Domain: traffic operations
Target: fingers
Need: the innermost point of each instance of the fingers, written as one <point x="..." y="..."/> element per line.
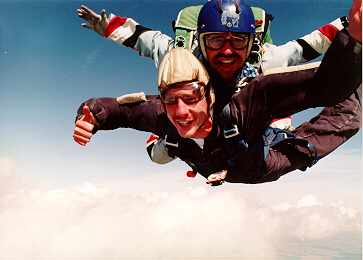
<point x="97" y="22"/>
<point x="80" y="140"/>
<point x="87" y="14"/>
<point x="84" y="127"/>
<point x="84" y="15"/>
<point x="86" y="9"/>
<point x="86" y="25"/>
<point x="83" y="11"/>
<point x="82" y="132"/>
<point x="103" y="15"/>
<point x="81" y="136"/>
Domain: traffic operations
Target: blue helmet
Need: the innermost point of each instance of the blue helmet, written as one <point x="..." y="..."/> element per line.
<point x="226" y="16"/>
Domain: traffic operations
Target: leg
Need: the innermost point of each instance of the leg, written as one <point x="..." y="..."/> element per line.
<point x="334" y="125"/>
<point x="327" y="131"/>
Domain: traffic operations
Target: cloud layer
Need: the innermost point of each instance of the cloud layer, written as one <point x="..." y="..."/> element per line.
<point x="91" y="222"/>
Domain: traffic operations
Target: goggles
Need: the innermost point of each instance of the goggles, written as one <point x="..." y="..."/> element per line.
<point x="190" y="92"/>
<point x="216" y="41"/>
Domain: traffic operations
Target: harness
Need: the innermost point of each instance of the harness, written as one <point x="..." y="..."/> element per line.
<point x="233" y="149"/>
<point x="275" y="136"/>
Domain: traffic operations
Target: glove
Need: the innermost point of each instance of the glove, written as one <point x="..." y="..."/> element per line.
<point x="97" y="22"/>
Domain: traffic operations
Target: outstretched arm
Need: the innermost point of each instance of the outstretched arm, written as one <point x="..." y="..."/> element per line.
<point x="84" y="127"/>
<point x="304" y="49"/>
<point x="97" y="22"/>
<point x="127" y="32"/>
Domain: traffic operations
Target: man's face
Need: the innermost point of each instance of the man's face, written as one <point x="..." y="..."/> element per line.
<point x="227" y="60"/>
<point x="188" y="118"/>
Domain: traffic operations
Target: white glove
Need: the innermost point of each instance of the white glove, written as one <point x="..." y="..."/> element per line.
<point x="97" y="22"/>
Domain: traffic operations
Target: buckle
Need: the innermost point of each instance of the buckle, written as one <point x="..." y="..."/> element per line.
<point x="169" y="143"/>
<point x="231" y="132"/>
<point x="216" y="179"/>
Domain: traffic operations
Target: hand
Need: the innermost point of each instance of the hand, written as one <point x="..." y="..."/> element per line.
<point x="355" y="20"/>
<point x="84" y="126"/>
<point x="97" y="22"/>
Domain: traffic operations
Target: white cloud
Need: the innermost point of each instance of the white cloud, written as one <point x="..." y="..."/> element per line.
<point x="93" y="222"/>
<point x="8" y="181"/>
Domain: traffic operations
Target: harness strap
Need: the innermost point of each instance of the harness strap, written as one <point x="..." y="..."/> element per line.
<point x="169" y="141"/>
<point x="234" y="139"/>
<point x="276" y="136"/>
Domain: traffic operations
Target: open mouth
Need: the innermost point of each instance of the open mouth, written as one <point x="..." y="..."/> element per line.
<point x="185" y="123"/>
<point x="226" y="63"/>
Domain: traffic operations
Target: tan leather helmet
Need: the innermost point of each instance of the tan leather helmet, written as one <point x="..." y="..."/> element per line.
<point x="180" y="65"/>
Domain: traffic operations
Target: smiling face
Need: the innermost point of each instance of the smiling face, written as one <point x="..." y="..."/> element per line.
<point x="188" y="118"/>
<point x="227" y="61"/>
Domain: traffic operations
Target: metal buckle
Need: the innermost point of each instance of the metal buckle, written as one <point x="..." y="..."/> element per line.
<point x="231" y="132"/>
<point x="168" y="143"/>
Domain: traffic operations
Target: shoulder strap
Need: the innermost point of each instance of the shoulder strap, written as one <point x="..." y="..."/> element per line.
<point x="263" y="22"/>
<point x="185" y="28"/>
<point x="234" y="141"/>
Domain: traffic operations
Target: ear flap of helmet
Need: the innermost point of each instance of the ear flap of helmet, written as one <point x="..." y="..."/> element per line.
<point x="212" y="97"/>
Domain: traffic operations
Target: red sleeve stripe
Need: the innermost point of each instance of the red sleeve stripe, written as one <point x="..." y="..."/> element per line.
<point x="152" y="139"/>
<point x="114" y="23"/>
<point x="317" y="42"/>
<point x="278" y="119"/>
<point x="329" y="31"/>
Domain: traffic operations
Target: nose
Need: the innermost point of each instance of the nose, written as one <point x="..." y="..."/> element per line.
<point x="181" y="108"/>
<point x="227" y="49"/>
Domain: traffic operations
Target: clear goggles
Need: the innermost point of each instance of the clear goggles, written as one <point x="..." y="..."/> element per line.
<point x="216" y="41"/>
<point x="190" y="92"/>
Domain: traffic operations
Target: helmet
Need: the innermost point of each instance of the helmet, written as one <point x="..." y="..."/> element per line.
<point x="226" y="16"/>
<point x="180" y="65"/>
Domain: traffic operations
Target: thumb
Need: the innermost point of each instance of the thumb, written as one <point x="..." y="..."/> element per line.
<point x="86" y="25"/>
<point x="88" y="116"/>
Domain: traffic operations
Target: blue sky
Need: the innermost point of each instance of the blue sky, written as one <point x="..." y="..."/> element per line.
<point x="50" y="64"/>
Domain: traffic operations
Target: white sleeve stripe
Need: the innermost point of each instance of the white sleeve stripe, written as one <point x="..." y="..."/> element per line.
<point x="338" y="24"/>
<point x="123" y="32"/>
<point x="318" y="41"/>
